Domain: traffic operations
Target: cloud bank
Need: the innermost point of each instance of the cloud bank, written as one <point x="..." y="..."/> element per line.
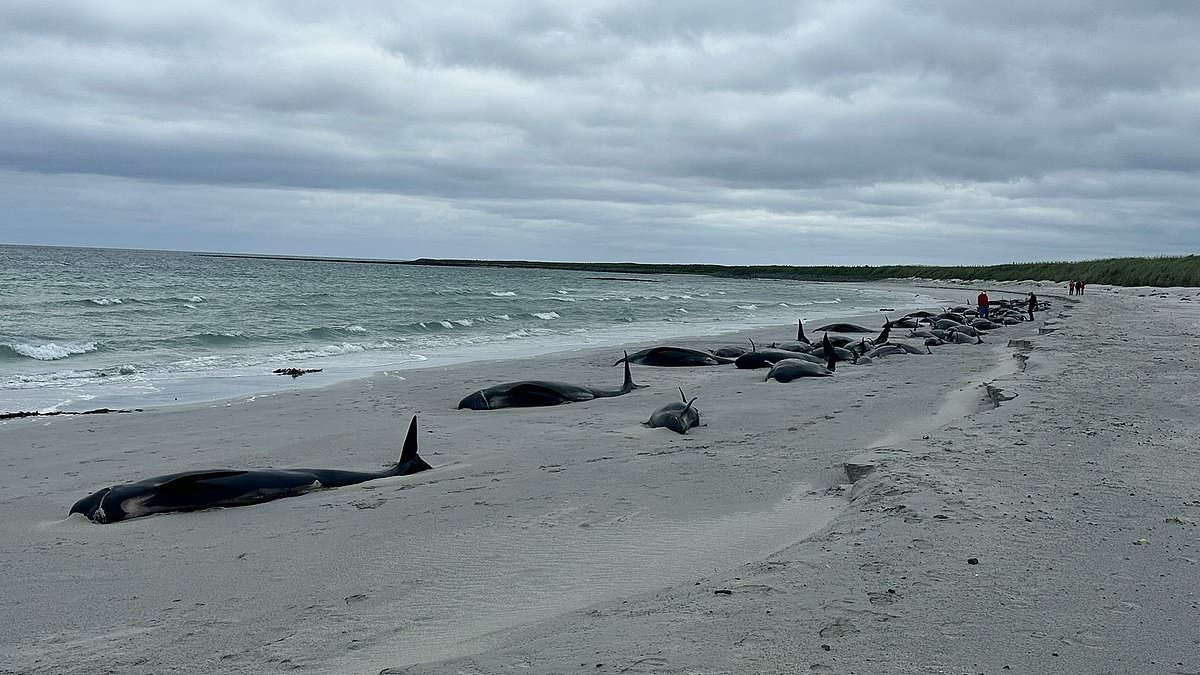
<point x="855" y="132"/>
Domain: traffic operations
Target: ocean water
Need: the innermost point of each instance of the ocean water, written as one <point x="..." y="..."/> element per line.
<point x="86" y="328"/>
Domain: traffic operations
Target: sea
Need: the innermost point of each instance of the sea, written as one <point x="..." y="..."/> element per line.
<point x="85" y="328"/>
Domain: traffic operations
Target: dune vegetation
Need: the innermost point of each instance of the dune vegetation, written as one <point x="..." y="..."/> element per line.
<point x="1155" y="271"/>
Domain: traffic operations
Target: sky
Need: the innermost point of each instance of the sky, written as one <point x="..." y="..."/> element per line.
<point x="846" y="132"/>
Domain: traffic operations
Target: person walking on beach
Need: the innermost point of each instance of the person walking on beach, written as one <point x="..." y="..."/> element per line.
<point x="1078" y="288"/>
<point x="1071" y="287"/>
<point x="983" y="304"/>
<point x="1032" y="305"/>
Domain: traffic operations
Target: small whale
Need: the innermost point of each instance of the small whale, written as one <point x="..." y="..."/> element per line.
<point x="793" y="369"/>
<point x="534" y="393"/>
<point x="674" y="357"/>
<point x="765" y="358"/>
<point x="678" y="417"/>
<point x="845" y="328"/>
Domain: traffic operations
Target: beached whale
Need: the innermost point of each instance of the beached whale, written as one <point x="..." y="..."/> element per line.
<point x="793" y="369"/>
<point x="729" y="351"/>
<point x="534" y="393"/>
<point x="765" y="358"/>
<point x="678" y="417"/>
<point x="196" y="490"/>
<point x="674" y="357"/>
<point x="845" y="328"/>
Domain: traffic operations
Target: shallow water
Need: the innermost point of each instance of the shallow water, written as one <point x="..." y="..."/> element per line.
<point x="88" y="328"/>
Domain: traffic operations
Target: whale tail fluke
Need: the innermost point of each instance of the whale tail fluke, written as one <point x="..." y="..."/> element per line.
<point x="410" y="461"/>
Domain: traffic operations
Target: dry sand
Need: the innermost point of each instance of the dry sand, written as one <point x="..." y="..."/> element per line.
<point x="572" y="538"/>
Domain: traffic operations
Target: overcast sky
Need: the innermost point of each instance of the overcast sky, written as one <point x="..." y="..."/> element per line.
<point x="834" y="132"/>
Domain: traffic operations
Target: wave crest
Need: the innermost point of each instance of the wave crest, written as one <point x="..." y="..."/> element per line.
<point x="51" y="351"/>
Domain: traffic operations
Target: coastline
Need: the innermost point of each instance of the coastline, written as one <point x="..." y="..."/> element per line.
<point x="157" y="390"/>
<point x="548" y="537"/>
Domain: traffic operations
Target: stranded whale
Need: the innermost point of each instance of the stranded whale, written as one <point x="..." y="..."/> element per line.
<point x="674" y="357"/>
<point x="196" y="490"/>
<point x="532" y="393"/>
<point x="678" y="417"/>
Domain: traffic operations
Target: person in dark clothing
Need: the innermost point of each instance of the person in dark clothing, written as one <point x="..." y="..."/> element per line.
<point x="1071" y="288"/>
<point x="983" y="304"/>
<point x="1032" y="305"/>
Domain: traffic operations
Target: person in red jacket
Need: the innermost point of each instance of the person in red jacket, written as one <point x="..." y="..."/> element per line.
<point x="983" y="304"/>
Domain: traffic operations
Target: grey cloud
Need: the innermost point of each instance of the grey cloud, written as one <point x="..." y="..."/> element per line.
<point x="533" y="126"/>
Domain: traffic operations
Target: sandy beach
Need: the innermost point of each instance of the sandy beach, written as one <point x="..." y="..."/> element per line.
<point x="1027" y="505"/>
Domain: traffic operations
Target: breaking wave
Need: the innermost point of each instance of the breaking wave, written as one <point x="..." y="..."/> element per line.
<point x="51" y="351"/>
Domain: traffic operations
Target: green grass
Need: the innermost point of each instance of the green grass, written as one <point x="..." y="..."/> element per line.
<point x="1159" y="271"/>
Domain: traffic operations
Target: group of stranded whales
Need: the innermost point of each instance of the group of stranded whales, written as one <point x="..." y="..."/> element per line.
<point x="197" y="490"/>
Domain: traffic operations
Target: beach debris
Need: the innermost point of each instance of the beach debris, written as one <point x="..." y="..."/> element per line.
<point x="856" y="471"/>
<point x="972" y="561"/>
<point x="295" y="372"/>
<point x="839" y="628"/>
<point x="34" y="413"/>
<point x="722" y="591"/>
<point x="996" y="395"/>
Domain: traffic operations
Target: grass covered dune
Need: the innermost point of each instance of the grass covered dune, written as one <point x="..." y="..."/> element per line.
<point x="1157" y="271"/>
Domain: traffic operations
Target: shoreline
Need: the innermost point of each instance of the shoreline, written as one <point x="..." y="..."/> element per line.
<point x="214" y="387"/>
<point x="549" y="537"/>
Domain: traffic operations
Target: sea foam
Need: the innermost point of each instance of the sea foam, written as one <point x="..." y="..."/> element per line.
<point x="52" y="351"/>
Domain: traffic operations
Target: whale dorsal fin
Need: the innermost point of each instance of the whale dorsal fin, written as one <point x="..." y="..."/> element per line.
<point x="628" y="384"/>
<point x="410" y="441"/>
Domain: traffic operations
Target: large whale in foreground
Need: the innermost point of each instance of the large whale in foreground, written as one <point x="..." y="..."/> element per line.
<point x="196" y="490"/>
<point x="532" y="393"/>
